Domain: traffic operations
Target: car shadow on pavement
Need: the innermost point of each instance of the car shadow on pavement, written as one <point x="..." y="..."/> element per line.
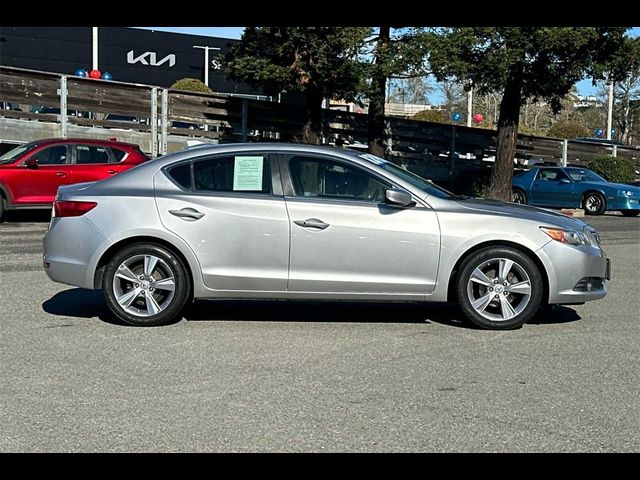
<point x="307" y="311"/>
<point x="80" y="303"/>
<point x="83" y="303"/>
<point x="29" y="216"/>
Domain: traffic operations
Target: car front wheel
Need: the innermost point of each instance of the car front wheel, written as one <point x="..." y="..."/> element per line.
<point x="499" y="288"/>
<point x="594" y="204"/>
<point x="146" y="285"/>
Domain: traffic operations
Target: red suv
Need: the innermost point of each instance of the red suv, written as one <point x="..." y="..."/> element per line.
<point x="31" y="173"/>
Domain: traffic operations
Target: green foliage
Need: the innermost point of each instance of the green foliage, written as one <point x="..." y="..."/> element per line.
<point x="548" y="60"/>
<point x="437" y="116"/>
<point x="614" y="169"/>
<point x="568" y="129"/>
<point x="288" y="59"/>
<point x="191" y="85"/>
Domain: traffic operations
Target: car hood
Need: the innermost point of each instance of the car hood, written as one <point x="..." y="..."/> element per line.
<point x="618" y="186"/>
<point x="540" y="215"/>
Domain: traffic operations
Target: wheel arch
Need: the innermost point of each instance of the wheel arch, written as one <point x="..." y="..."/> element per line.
<point x="113" y="249"/>
<point x="451" y="287"/>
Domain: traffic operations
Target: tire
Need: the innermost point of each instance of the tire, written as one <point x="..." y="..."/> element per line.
<point x="3" y="208"/>
<point x="132" y="295"/>
<point x="487" y="296"/>
<point x="594" y="203"/>
<point x="518" y="196"/>
<point x="630" y="213"/>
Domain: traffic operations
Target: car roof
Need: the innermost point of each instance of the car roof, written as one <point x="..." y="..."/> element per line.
<point x="52" y="141"/>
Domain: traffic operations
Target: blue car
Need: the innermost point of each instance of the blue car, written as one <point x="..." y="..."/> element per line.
<point x="572" y="187"/>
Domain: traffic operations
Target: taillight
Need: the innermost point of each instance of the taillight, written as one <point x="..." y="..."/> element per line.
<point x="62" y="208"/>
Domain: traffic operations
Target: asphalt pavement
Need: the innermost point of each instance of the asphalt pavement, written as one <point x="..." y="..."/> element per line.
<point x="314" y="377"/>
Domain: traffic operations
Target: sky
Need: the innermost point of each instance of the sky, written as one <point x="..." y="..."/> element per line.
<point x="584" y="87"/>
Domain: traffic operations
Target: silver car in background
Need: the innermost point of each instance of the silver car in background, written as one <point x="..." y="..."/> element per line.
<point x="285" y="221"/>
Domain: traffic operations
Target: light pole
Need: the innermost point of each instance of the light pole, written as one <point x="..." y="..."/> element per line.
<point x="206" y="61"/>
<point x="610" y="111"/>
<point x="470" y="104"/>
<point x="94" y="42"/>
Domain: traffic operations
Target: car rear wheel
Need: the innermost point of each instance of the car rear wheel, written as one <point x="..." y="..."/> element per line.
<point x="630" y="213"/>
<point x="499" y="288"/>
<point x="594" y="204"/>
<point x="518" y="196"/>
<point x="146" y="285"/>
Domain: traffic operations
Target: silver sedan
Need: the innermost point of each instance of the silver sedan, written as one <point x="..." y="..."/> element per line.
<point x="284" y="221"/>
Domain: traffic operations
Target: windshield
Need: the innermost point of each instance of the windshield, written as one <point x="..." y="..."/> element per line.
<point x="417" y="181"/>
<point x="585" y="176"/>
<point x="12" y="155"/>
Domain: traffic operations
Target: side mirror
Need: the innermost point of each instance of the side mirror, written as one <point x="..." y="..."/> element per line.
<point x="31" y="162"/>
<point x="398" y="198"/>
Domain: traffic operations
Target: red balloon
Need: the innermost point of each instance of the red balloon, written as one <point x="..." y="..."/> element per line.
<point x="477" y="118"/>
<point x="95" y="74"/>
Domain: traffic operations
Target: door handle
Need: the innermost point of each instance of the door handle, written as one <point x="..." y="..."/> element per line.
<point x="61" y="174"/>
<point x="311" y="223"/>
<point x="112" y="172"/>
<point x="187" y="214"/>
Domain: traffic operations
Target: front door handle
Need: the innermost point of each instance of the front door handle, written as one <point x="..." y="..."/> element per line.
<point x="189" y="214"/>
<point x="311" y="223"/>
<point x="61" y="174"/>
<point x="112" y="172"/>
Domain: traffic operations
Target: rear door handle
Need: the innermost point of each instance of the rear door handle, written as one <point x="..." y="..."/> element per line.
<point x="189" y="214"/>
<point x="112" y="172"/>
<point x="61" y="174"/>
<point x="311" y="223"/>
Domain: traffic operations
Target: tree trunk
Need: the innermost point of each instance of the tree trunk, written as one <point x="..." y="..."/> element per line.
<point x="312" y="128"/>
<point x="378" y="96"/>
<point x="502" y="175"/>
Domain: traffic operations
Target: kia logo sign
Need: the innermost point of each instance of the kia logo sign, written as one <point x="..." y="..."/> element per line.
<point x="149" y="58"/>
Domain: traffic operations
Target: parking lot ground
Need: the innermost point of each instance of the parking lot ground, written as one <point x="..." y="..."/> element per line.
<point x="326" y="377"/>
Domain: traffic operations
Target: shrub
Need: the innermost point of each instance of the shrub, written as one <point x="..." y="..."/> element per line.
<point x="191" y="85"/>
<point x="436" y="116"/>
<point x="614" y="169"/>
<point x="568" y="129"/>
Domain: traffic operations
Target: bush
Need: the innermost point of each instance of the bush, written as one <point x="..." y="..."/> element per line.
<point x="191" y="85"/>
<point x="436" y="116"/>
<point x="614" y="169"/>
<point x="568" y="129"/>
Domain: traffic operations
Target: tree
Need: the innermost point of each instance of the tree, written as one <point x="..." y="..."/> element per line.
<point x="436" y="116"/>
<point x="568" y="129"/>
<point x="454" y="96"/>
<point x="191" y="85"/>
<point x="400" y="56"/>
<point x="318" y="62"/>
<point x="414" y="90"/>
<point x="524" y="63"/>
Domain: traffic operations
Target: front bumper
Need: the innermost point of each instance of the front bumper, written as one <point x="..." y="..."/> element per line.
<point x="569" y="268"/>
<point x="68" y="248"/>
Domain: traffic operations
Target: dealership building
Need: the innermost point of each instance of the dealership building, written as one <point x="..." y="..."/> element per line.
<point x="128" y="54"/>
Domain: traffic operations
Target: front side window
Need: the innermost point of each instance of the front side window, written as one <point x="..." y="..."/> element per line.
<point x="52" y="156"/>
<point x="551" y="175"/>
<point x="90" y="154"/>
<point x="323" y="178"/>
<point x="237" y="173"/>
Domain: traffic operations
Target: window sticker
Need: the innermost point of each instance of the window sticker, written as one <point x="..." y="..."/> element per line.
<point x="247" y="173"/>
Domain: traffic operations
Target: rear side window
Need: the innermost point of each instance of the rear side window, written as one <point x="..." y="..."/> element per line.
<point x="118" y="154"/>
<point x="86" y="154"/>
<point x="239" y="173"/>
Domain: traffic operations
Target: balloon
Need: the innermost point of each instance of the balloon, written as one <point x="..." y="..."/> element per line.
<point x="95" y="74"/>
<point x="599" y="132"/>
<point x="81" y="72"/>
<point x="107" y="76"/>
<point x="477" y="118"/>
<point x="456" y="117"/>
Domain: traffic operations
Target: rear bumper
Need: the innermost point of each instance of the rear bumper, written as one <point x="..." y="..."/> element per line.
<point x="567" y="266"/>
<point x="69" y="246"/>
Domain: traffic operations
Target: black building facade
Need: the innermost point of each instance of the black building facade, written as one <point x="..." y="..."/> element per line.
<point x="128" y="54"/>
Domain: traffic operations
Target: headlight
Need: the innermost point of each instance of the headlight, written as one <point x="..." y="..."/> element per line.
<point x="572" y="237"/>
